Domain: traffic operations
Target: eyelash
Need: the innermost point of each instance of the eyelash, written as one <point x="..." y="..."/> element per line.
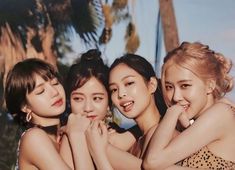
<point x="54" y="81"/>
<point x="77" y="98"/>
<point x="40" y="92"/>
<point x="129" y="83"/>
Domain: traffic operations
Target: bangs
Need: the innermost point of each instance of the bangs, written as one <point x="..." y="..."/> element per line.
<point x="46" y="73"/>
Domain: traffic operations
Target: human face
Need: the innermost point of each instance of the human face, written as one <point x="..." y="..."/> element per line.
<point x="129" y="92"/>
<point x="47" y="101"/>
<point x="90" y="100"/>
<point x="183" y="87"/>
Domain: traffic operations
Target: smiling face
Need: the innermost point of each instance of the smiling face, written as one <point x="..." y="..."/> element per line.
<point x="91" y="100"/>
<point x="46" y="102"/>
<point x="130" y="93"/>
<point x="186" y="89"/>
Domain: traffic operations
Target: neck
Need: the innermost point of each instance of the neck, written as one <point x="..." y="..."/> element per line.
<point x="148" y="119"/>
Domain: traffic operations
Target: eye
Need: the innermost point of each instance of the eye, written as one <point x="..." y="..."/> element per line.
<point x="185" y="86"/>
<point x="98" y="98"/>
<point x="168" y="87"/>
<point x="77" y="99"/>
<point x="55" y="81"/>
<point x="39" y="91"/>
<point x="129" y="83"/>
<point x="112" y="90"/>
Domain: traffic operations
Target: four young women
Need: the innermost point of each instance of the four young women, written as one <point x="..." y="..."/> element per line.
<point x="194" y="81"/>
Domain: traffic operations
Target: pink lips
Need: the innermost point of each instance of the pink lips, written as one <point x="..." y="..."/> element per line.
<point x="58" y="102"/>
<point x="91" y="117"/>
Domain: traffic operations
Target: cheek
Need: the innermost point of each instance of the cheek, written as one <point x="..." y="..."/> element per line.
<point x="61" y="91"/>
<point x="76" y="107"/>
<point x="169" y="95"/>
<point x="114" y="99"/>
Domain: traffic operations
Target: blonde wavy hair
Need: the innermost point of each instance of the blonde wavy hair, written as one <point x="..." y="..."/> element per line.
<point x="204" y="63"/>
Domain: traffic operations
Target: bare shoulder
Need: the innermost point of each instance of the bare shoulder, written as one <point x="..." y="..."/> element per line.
<point x="34" y="135"/>
<point x="227" y="101"/>
<point x="33" y="140"/>
<point x="222" y="111"/>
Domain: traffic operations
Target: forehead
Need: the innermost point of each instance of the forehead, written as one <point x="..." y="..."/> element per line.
<point x="121" y="71"/>
<point x="175" y="73"/>
<point x="93" y="85"/>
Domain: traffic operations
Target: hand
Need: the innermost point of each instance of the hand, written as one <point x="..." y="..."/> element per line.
<point x="182" y="115"/>
<point x="76" y="123"/>
<point x="97" y="138"/>
<point x="183" y="119"/>
<point x="175" y="109"/>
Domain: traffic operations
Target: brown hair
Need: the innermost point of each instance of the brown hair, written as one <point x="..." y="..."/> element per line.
<point x="21" y="81"/>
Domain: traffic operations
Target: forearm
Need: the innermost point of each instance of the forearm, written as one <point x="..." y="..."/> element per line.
<point x="81" y="155"/>
<point x="122" y="160"/>
<point x="161" y="138"/>
<point x="177" y="167"/>
<point x="102" y="162"/>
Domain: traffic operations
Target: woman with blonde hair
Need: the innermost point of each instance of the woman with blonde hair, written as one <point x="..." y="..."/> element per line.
<point x="195" y="80"/>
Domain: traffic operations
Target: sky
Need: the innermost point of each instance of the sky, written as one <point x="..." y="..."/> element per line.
<point x="210" y="22"/>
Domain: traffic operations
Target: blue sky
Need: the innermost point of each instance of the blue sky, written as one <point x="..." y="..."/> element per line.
<point x="208" y="21"/>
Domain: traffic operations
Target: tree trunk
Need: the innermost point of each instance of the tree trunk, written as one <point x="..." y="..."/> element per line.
<point x="171" y="39"/>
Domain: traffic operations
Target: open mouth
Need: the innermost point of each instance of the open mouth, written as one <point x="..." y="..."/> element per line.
<point x="127" y="106"/>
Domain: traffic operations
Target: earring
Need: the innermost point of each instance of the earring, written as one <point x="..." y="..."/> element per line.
<point x="108" y="117"/>
<point x="210" y="90"/>
<point x="28" y="117"/>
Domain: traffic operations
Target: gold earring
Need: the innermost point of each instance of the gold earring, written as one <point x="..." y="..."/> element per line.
<point x="108" y="117"/>
<point x="28" y="117"/>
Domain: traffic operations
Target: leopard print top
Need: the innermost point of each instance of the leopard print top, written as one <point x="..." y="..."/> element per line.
<point x="205" y="159"/>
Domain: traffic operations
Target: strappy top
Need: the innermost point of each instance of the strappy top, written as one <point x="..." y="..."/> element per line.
<point x="205" y="159"/>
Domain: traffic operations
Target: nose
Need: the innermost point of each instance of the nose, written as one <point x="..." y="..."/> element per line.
<point x="177" y="96"/>
<point x="54" y="91"/>
<point x="121" y="93"/>
<point x="88" y="107"/>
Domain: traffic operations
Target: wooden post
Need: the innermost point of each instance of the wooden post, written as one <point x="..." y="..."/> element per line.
<point x="171" y="39"/>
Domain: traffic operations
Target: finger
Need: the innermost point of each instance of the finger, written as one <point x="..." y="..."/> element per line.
<point x="103" y="128"/>
<point x="95" y="124"/>
<point x="184" y="120"/>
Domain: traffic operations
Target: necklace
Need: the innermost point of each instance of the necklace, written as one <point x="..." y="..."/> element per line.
<point x="52" y="129"/>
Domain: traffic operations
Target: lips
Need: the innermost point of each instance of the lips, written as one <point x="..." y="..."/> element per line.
<point x="185" y="107"/>
<point x="58" y="102"/>
<point x="91" y="117"/>
<point x="127" y="106"/>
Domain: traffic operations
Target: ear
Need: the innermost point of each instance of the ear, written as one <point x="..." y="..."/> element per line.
<point x="26" y="109"/>
<point x="210" y="86"/>
<point x="152" y="84"/>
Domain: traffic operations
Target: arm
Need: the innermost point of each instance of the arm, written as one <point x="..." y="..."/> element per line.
<point x="123" y="141"/>
<point x="37" y="149"/>
<point x="66" y="152"/>
<point x="106" y="155"/>
<point x="122" y="160"/>
<point x="97" y="139"/>
<point x="163" y="151"/>
<point x="75" y="130"/>
<point x="177" y="167"/>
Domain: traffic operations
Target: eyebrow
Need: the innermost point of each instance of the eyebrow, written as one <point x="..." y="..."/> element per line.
<point x="125" y="77"/>
<point x="39" y="85"/>
<point x="181" y="81"/>
<point x="79" y="93"/>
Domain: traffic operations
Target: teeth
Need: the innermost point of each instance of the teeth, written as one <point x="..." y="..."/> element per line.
<point x="126" y="104"/>
<point x="185" y="106"/>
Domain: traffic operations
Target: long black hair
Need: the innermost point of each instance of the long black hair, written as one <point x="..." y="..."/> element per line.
<point x="145" y="69"/>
